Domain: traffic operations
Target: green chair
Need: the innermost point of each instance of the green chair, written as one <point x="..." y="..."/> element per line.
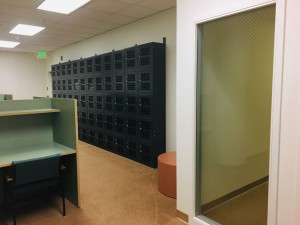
<point x="31" y="177"/>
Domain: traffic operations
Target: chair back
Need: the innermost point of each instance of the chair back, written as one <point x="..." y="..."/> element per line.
<point x="38" y="169"/>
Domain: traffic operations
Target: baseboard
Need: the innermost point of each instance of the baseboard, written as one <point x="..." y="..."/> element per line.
<point x="233" y="194"/>
<point x="182" y="216"/>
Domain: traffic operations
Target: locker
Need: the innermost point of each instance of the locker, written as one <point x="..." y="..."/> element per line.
<point x="118" y="84"/>
<point x="82" y="117"/>
<point x="91" y="137"/>
<point x="91" y="119"/>
<point x="82" y="84"/>
<point x="75" y="68"/>
<point x="98" y="64"/>
<point x="131" y="58"/>
<point x="76" y="84"/>
<point x="99" y="103"/>
<point x="63" y="84"/>
<point x="119" y="104"/>
<point x="98" y="83"/>
<point x="82" y="102"/>
<point x="91" y="102"/>
<point x="107" y="62"/>
<point x="83" y="133"/>
<point x="82" y="66"/>
<point x="119" y="124"/>
<point x="89" y="65"/>
<point x="108" y="84"/>
<point x="131" y="82"/>
<point x="99" y="120"/>
<point x="145" y="105"/>
<point x="100" y="138"/>
<point x="69" y="68"/>
<point x="108" y="104"/>
<point x="63" y="69"/>
<point x="108" y="122"/>
<point x="118" y="61"/>
<point x="145" y="82"/>
<point x="69" y="85"/>
<point x="131" y="105"/>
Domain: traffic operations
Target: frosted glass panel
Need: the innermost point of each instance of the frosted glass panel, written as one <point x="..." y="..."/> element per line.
<point x="233" y="103"/>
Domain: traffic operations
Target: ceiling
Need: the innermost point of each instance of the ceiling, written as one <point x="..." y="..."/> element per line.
<point x="96" y="17"/>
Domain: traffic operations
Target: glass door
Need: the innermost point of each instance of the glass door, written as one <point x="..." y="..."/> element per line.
<point x="234" y="88"/>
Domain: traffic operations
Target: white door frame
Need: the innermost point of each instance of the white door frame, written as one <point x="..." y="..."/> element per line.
<point x="276" y="93"/>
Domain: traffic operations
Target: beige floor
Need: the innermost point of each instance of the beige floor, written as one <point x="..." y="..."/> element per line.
<point x="249" y="208"/>
<point x="114" y="191"/>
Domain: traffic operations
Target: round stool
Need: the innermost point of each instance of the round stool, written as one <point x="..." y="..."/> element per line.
<point x="166" y="174"/>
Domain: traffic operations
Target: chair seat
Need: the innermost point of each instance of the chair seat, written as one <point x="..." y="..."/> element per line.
<point x="35" y="187"/>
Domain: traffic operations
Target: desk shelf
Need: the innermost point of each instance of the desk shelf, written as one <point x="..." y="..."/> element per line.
<point x="28" y="112"/>
<point x="32" y="151"/>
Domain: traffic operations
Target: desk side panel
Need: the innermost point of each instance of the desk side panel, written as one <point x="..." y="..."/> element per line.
<point x="65" y="133"/>
<point x="65" y="122"/>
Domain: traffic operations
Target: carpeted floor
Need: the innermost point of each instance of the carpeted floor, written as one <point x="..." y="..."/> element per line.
<point x="249" y="208"/>
<point x="114" y="191"/>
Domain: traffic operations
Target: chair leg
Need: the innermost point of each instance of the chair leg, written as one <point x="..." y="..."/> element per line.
<point x="63" y="197"/>
<point x="13" y="202"/>
<point x="64" y="206"/>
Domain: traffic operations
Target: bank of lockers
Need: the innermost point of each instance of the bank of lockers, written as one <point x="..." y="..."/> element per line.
<point x="121" y="99"/>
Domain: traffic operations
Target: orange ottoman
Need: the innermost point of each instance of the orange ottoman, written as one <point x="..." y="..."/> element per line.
<point x="166" y="173"/>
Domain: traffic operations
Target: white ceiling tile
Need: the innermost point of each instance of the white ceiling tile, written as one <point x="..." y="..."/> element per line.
<point x="104" y="25"/>
<point x="137" y="11"/>
<point x="130" y="1"/>
<point x="119" y="19"/>
<point x="24" y="3"/>
<point x="109" y="6"/>
<point x="158" y="4"/>
<point x="89" y="14"/>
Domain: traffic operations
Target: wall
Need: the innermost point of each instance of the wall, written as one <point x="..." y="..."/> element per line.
<point x="151" y="29"/>
<point x="285" y="109"/>
<point x="289" y="161"/>
<point x="22" y="75"/>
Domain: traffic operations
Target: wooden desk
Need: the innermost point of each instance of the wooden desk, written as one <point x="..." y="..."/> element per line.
<point x="41" y="127"/>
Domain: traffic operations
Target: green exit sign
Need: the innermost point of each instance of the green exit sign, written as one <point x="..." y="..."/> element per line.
<point x="42" y="54"/>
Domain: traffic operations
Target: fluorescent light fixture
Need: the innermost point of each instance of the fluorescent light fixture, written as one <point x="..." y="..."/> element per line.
<point x="62" y="6"/>
<point x="8" y="44"/>
<point x="27" y="30"/>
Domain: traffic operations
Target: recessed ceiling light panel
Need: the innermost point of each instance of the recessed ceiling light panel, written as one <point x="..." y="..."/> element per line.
<point x="62" y="6"/>
<point x="27" y="30"/>
<point x="8" y="44"/>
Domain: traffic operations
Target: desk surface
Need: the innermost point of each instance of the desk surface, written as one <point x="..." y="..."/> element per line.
<point x="33" y="151"/>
